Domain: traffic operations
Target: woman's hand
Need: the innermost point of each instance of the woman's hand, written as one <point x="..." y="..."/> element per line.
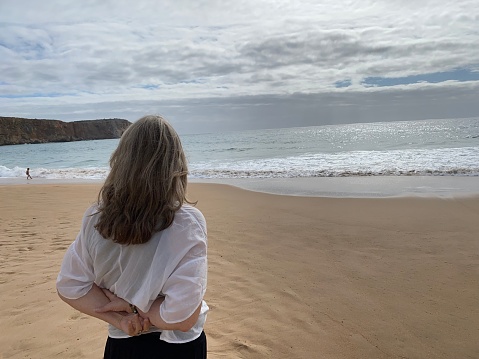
<point x="116" y="313"/>
<point x="116" y="304"/>
<point x="133" y="324"/>
<point x="130" y="322"/>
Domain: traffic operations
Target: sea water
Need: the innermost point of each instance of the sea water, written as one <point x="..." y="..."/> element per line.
<point x="445" y="147"/>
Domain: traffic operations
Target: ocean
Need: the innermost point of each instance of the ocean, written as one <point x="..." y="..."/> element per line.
<point x="443" y="147"/>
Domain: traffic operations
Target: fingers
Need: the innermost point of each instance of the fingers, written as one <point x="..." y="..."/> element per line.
<point x="109" y="307"/>
<point x="118" y="305"/>
<point x="135" y="325"/>
<point x="146" y="325"/>
<point x="131" y="324"/>
<point x="109" y="294"/>
<point x="131" y="328"/>
<point x="138" y="325"/>
<point x="105" y="308"/>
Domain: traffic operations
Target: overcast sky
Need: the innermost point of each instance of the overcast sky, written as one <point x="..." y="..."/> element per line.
<point x="228" y="65"/>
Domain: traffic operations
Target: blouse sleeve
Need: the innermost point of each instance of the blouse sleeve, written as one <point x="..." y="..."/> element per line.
<point x="76" y="275"/>
<point x="186" y="286"/>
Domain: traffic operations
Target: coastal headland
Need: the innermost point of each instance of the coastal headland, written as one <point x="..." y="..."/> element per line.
<point x="15" y="131"/>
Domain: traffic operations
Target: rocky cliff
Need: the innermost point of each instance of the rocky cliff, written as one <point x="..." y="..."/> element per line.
<point x="14" y="131"/>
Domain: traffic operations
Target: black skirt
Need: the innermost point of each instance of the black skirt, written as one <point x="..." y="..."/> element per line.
<point x="149" y="346"/>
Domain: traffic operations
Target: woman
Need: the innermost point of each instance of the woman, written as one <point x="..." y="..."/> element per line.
<point x="139" y="261"/>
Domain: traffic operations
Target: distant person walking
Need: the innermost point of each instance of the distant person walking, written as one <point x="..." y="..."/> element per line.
<point x="27" y="172"/>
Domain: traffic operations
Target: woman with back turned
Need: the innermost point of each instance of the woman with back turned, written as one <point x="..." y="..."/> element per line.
<point x="139" y="261"/>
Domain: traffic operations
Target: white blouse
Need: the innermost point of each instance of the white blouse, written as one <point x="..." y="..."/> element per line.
<point x="172" y="264"/>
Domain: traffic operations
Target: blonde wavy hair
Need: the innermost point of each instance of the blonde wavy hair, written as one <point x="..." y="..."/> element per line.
<point x="146" y="184"/>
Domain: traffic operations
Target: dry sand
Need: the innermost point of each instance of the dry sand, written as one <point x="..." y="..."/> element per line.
<point x="289" y="277"/>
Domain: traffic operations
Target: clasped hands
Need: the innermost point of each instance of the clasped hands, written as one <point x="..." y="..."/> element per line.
<point x="131" y="323"/>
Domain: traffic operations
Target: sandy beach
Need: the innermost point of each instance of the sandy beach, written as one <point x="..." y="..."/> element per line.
<point x="289" y="277"/>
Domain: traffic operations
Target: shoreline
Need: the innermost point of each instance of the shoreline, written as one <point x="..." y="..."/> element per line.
<point x="327" y="187"/>
<point x="360" y="187"/>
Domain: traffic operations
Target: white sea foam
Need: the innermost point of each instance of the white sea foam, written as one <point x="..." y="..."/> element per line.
<point x="419" y="162"/>
<point x="58" y="173"/>
<point x="6" y="172"/>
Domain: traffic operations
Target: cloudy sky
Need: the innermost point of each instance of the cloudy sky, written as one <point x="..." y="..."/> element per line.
<point x="241" y="64"/>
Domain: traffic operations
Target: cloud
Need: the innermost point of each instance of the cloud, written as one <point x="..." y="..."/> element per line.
<point x="103" y="59"/>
